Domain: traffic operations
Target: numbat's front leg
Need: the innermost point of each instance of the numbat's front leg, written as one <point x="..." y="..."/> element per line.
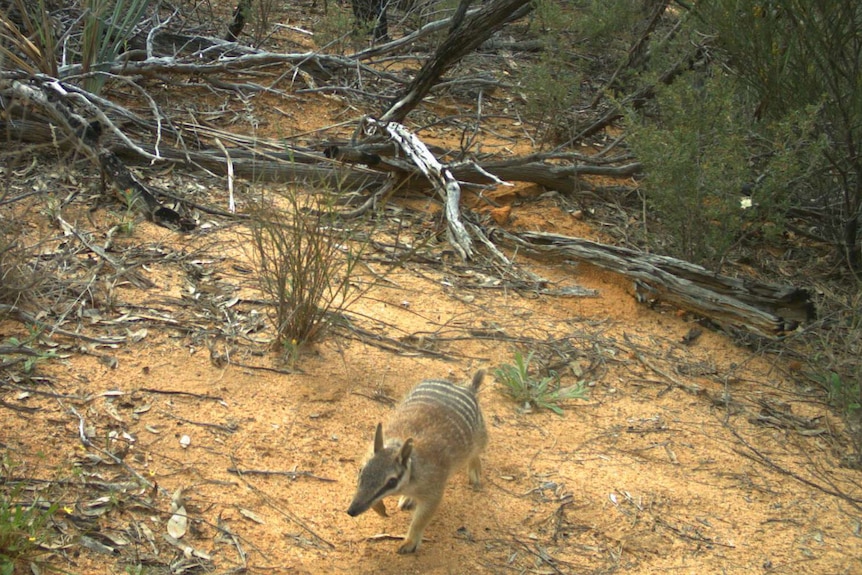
<point x="424" y="511"/>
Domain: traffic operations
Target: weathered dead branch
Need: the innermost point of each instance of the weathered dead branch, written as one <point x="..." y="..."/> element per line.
<point x="765" y="309"/>
<point x="53" y="100"/>
<point x="562" y="177"/>
<point x="462" y="40"/>
<point x="441" y="179"/>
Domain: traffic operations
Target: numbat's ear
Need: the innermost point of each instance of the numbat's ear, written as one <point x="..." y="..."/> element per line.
<point x="378" y="438"/>
<point x="406" y="450"/>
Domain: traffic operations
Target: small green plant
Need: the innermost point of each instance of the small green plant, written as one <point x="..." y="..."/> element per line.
<point x="844" y="394"/>
<point x="541" y="393"/>
<point x="834" y="354"/>
<point x="24" y="527"/>
<point x="107" y="27"/>
<point x="126" y="225"/>
<point x="30" y="356"/>
<point x="304" y="264"/>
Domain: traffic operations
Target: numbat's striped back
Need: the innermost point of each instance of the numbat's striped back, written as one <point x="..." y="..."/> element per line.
<point x="455" y="403"/>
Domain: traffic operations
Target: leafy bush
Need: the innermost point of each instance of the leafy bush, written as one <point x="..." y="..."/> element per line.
<point x="797" y="56"/>
<point x="603" y="24"/>
<point x="701" y="154"/>
<point x="541" y="393"/>
<point x="552" y="84"/>
<point x="696" y="165"/>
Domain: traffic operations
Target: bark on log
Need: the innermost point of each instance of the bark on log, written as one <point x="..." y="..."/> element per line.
<point x="766" y="309"/>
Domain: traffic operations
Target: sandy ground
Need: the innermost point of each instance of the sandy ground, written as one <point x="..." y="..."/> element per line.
<point x="645" y="476"/>
<point x="700" y="458"/>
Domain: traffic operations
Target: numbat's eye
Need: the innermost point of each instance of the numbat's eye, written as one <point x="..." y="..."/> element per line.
<point x="393" y="481"/>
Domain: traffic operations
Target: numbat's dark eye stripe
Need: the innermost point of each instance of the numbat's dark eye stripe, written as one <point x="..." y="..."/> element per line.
<point x="390" y="485"/>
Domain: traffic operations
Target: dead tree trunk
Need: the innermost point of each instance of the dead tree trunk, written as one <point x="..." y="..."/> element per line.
<point x="461" y="41"/>
<point x="240" y="14"/>
<point x="765" y="309"/>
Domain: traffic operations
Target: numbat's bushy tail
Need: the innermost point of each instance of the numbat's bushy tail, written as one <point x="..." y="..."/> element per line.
<point x="436" y="430"/>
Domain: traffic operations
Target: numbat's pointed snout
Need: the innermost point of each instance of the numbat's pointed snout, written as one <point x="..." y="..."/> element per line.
<point x="436" y="430"/>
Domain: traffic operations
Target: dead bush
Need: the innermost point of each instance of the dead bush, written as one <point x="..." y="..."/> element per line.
<point x="304" y="265"/>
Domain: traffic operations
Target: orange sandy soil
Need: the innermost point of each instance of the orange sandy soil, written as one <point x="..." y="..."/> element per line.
<point x="645" y="476"/>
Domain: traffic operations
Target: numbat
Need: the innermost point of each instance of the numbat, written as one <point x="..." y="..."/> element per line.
<point x="436" y="430"/>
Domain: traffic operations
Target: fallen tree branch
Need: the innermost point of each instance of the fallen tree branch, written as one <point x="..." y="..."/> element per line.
<point x="564" y="178"/>
<point x="440" y="176"/>
<point x="55" y="101"/>
<point x="769" y="310"/>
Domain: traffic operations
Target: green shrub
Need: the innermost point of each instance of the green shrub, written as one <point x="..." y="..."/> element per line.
<point x="702" y="155"/>
<point x="797" y="56"/>
<point x="107" y="26"/>
<point x="696" y="165"/>
<point x="845" y="394"/>
<point x="603" y="24"/>
<point x="552" y="83"/>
